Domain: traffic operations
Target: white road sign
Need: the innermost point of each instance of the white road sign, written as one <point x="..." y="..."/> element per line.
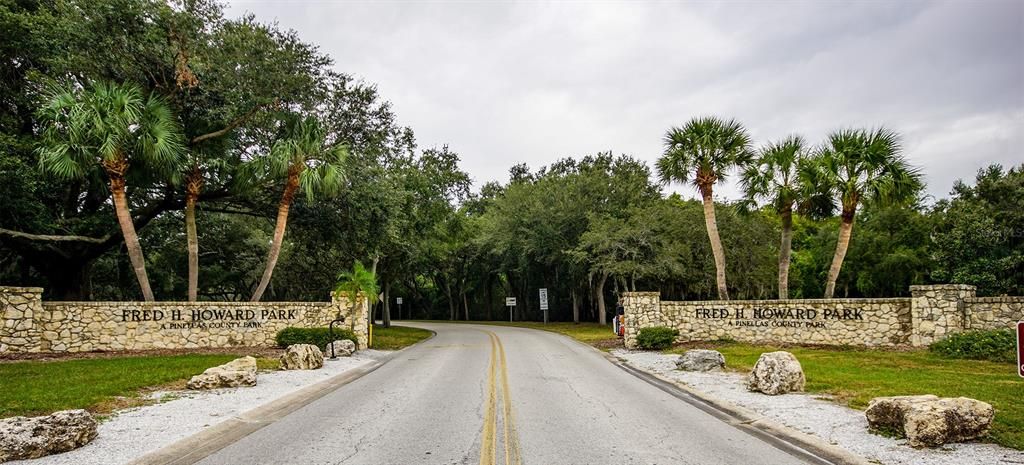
<point x="544" y="298"/>
<point x="398" y="301"/>
<point x="510" y="301"/>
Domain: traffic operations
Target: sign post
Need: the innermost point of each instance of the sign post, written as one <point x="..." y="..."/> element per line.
<point x="399" y="302"/>
<point x="510" y="302"/>
<point x="544" y="303"/>
<point x="1020" y="349"/>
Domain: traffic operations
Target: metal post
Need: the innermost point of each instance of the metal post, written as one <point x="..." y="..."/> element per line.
<point x="330" y="334"/>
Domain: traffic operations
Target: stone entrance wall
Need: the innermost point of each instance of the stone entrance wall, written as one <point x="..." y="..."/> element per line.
<point x="931" y="313"/>
<point x="31" y="325"/>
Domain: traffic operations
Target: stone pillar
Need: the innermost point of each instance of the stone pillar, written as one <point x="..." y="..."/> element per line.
<point x="356" y="319"/>
<point x="937" y="310"/>
<point x="19" y="308"/>
<point x="641" y="309"/>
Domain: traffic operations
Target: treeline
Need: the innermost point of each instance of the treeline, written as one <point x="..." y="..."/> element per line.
<point x="248" y="168"/>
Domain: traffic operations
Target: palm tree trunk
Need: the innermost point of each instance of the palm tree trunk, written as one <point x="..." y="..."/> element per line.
<point x="602" y="317"/>
<point x="131" y="238"/>
<point x="191" y="196"/>
<point x="842" y="245"/>
<point x="785" y="250"/>
<point x="291" y="186"/>
<point x="716" y="242"/>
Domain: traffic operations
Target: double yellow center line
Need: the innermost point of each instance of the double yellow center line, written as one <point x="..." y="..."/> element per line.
<point x="498" y="388"/>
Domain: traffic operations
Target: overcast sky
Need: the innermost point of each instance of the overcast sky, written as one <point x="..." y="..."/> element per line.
<point x="503" y="83"/>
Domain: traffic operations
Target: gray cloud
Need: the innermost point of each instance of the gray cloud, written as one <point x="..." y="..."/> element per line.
<point x="503" y="83"/>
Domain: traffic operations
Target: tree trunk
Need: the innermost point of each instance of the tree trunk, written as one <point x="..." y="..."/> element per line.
<point x="131" y="239"/>
<point x="602" y="314"/>
<point x="490" y="297"/>
<point x="451" y="302"/>
<point x="845" y="230"/>
<point x="716" y="242"/>
<point x="465" y="305"/>
<point x="193" y="243"/>
<point x="291" y="186"/>
<point x="69" y="279"/>
<point x="784" y="252"/>
<point x="387" y="305"/>
<point x="575" y="307"/>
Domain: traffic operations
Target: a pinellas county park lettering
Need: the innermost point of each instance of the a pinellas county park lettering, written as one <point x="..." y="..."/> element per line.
<point x="779" y="317"/>
<point x="208" y="317"/>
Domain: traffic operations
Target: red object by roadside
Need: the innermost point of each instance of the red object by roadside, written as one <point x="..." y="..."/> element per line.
<point x="1020" y="348"/>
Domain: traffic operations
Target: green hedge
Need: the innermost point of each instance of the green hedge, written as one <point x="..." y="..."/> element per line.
<point x="656" y="338"/>
<point x="997" y="345"/>
<point x="319" y="337"/>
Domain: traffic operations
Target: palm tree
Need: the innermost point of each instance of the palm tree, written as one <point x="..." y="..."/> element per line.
<point x="358" y="281"/>
<point x="305" y="159"/>
<point x="776" y="175"/>
<point x="706" y="148"/>
<point x="863" y="167"/>
<point x="112" y="127"/>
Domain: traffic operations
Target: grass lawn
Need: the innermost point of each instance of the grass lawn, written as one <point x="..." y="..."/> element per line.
<point x="397" y="337"/>
<point x="854" y="376"/>
<point x="99" y="385"/>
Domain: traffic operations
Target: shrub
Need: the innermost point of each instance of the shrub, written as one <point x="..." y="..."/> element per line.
<point x="656" y="338"/>
<point x="319" y="337"/>
<point x="997" y="345"/>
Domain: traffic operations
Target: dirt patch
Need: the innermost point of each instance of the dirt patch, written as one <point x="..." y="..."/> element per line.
<point x="608" y="344"/>
<point x="265" y="352"/>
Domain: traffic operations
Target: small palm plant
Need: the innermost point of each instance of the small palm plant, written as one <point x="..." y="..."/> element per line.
<point x="702" y="152"/>
<point x="863" y="167"/>
<point x="305" y="159"/>
<point x="111" y="128"/>
<point x="355" y="282"/>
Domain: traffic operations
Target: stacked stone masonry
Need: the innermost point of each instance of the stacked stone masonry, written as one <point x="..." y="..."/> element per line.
<point x="931" y="313"/>
<point x="993" y="312"/>
<point x="31" y="325"/>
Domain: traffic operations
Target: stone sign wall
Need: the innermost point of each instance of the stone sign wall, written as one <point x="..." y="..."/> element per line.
<point x="993" y="312"/>
<point x="31" y="325"/>
<point x="928" y="315"/>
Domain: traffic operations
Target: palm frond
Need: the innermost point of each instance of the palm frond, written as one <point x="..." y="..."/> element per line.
<point x="706" y="144"/>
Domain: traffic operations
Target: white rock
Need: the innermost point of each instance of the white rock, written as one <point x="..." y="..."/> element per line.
<point x="930" y="421"/>
<point x="34" y="437"/>
<point x="302" y="357"/>
<point x="701" y="360"/>
<point x="776" y="373"/>
<point x="238" y="372"/>
<point x="342" y="348"/>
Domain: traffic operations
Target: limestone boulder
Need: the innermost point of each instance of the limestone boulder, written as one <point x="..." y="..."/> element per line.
<point x="930" y="421"/>
<point x="701" y="360"/>
<point x="236" y="373"/>
<point x="34" y="437"/>
<point x="342" y="348"/>
<point x="302" y="357"/>
<point x="776" y="373"/>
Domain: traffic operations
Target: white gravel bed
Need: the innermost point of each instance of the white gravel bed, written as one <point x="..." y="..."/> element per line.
<point x="133" y="432"/>
<point x="834" y="423"/>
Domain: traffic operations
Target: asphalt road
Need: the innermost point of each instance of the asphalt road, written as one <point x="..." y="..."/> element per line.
<point x="479" y="394"/>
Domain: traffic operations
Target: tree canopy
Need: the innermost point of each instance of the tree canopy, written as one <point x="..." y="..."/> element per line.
<point x="250" y="104"/>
